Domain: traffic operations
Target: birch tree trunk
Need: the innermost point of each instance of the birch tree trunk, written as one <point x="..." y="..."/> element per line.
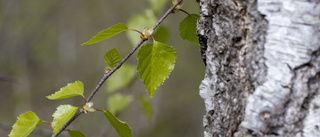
<point x="263" y="67"/>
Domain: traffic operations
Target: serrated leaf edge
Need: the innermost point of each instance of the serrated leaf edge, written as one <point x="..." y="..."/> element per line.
<point x="71" y="95"/>
<point x="171" y="69"/>
<point x="55" y="131"/>
<point x="19" y="117"/>
<point x="89" y="43"/>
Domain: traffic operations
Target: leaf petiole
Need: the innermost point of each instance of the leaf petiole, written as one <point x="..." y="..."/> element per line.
<point x="153" y="40"/>
<point x="137" y="31"/>
<point x="99" y="110"/>
<point x="185" y="12"/>
<point x="49" y="123"/>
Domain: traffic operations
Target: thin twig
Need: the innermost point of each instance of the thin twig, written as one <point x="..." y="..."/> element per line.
<point x="165" y="15"/>
<point x="10" y="79"/>
<point x="108" y="74"/>
<point x="105" y="131"/>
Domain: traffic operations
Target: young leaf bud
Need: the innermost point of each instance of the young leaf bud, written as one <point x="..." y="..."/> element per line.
<point x="176" y="9"/>
<point x="146" y="32"/>
<point x="88" y="107"/>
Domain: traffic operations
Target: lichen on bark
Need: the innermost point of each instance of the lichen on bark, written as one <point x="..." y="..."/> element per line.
<point x="262" y="75"/>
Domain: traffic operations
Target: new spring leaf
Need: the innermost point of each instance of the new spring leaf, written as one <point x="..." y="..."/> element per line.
<point x="105" y="34"/>
<point x="156" y="61"/>
<point x="188" y="28"/>
<point x="75" y="133"/>
<point x="25" y="124"/>
<point x="72" y="89"/>
<point x="122" y="128"/>
<point x="112" y="58"/>
<point x="62" y="116"/>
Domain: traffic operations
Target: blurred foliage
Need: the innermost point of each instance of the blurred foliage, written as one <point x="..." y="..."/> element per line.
<point x="125" y="74"/>
<point x="117" y="102"/>
<point x="40" y="44"/>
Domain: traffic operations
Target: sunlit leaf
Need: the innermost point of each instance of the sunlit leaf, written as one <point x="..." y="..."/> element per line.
<point x="72" y="89"/>
<point x="121" y="78"/>
<point x="62" y="115"/>
<point x="147" y="106"/>
<point x="112" y="58"/>
<point x="147" y="19"/>
<point x="25" y="125"/>
<point x="75" y="133"/>
<point x="156" y="61"/>
<point x="161" y="34"/>
<point x="117" y="102"/>
<point x="107" y="33"/>
<point x="122" y="128"/>
<point x="188" y="28"/>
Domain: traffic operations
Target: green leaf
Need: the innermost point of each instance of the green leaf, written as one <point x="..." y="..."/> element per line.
<point x="147" y="19"/>
<point x="25" y="125"/>
<point x="122" y="128"/>
<point x="75" y="133"/>
<point x="188" y="28"/>
<point x="62" y="115"/>
<point x="72" y="89"/>
<point x="161" y="34"/>
<point x="117" y="102"/>
<point x="112" y="58"/>
<point x="156" y="61"/>
<point x="121" y="78"/>
<point x="157" y="5"/>
<point x="107" y="33"/>
<point x="147" y="106"/>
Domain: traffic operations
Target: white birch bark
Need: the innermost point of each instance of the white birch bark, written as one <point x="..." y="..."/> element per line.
<point x="263" y="67"/>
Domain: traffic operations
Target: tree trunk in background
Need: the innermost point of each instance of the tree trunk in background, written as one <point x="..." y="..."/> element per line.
<point x="263" y="67"/>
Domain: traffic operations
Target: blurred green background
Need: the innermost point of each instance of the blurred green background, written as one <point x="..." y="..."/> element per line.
<point x="40" y="52"/>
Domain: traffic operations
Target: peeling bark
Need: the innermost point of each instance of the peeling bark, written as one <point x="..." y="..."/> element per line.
<point x="263" y="67"/>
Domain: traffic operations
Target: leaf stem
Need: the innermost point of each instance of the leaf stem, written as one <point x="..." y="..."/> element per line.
<point x="99" y="110"/>
<point x="108" y="74"/>
<point x="47" y="122"/>
<point x="185" y="11"/>
<point x="153" y="40"/>
<point x="137" y="31"/>
<point x="85" y="100"/>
